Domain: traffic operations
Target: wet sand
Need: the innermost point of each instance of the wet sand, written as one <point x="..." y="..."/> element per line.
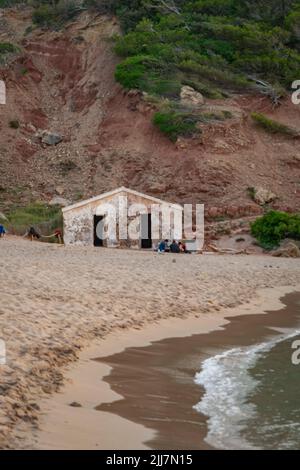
<point x="140" y="393"/>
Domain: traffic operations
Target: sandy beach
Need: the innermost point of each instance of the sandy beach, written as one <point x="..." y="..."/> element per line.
<point x="58" y="301"/>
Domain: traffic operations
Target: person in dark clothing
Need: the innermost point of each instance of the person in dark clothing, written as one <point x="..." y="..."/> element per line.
<point x="2" y="231"/>
<point x="174" y="247"/>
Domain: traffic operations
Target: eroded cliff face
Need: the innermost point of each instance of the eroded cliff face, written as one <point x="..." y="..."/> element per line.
<point x="63" y="82"/>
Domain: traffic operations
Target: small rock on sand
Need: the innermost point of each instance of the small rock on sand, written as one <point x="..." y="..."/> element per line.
<point x="75" y="404"/>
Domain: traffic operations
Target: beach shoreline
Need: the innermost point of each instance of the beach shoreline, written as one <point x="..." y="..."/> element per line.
<point x="89" y="427"/>
<point x="56" y="301"/>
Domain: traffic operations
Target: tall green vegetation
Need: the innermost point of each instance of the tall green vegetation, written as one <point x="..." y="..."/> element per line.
<point x="227" y="44"/>
<point x="215" y="46"/>
<point x="223" y="43"/>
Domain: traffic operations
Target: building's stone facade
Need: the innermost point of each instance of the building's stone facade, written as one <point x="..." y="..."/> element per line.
<point x="79" y="218"/>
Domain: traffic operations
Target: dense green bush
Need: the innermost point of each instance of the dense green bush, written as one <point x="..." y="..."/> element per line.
<point x="274" y="127"/>
<point x="274" y="226"/>
<point x="147" y="73"/>
<point x="175" y="124"/>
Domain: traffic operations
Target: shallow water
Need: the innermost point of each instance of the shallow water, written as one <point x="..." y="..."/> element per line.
<point x="251" y="396"/>
<point x="231" y="388"/>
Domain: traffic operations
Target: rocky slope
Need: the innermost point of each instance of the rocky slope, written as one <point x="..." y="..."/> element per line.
<point x="63" y="82"/>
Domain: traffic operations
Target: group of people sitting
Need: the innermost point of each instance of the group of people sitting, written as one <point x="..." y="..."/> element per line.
<point x="175" y="247"/>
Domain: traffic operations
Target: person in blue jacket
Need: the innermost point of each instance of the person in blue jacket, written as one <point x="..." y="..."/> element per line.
<point x="162" y="246"/>
<point x="2" y="231"/>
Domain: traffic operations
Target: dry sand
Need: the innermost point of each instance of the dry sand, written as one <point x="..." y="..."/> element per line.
<point x="56" y="300"/>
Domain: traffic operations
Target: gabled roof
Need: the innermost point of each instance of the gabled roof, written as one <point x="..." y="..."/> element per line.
<point x="116" y="191"/>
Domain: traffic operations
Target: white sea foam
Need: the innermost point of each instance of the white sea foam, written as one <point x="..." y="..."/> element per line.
<point x="227" y="383"/>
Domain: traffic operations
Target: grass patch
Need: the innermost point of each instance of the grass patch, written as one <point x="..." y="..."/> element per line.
<point x="6" y="50"/>
<point x="275" y="226"/>
<point x="43" y="217"/>
<point x="273" y="127"/>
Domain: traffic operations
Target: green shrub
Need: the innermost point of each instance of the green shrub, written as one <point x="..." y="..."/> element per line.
<point x="274" y="127"/>
<point x="274" y="226"/>
<point x="55" y="14"/>
<point x="130" y="73"/>
<point x="14" y="124"/>
<point x="215" y="116"/>
<point x="7" y="48"/>
<point x="175" y="124"/>
<point x="149" y="74"/>
<point x="44" y="15"/>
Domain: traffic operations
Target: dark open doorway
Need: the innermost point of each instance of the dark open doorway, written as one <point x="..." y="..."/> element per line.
<point x="146" y="232"/>
<point x="98" y="230"/>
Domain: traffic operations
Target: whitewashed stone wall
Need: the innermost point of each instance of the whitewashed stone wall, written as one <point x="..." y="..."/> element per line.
<point x="79" y="222"/>
<point x="79" y="226"/>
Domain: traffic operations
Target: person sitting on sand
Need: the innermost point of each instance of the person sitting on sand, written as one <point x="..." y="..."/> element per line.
<point x="32" y="234"/>
<point x="174" y="247"/>
<point x="2" y="231"/>
<point x="162" y="247"/>
<point x="182" y="247"/>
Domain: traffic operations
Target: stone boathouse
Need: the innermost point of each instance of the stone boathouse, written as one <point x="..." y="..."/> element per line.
<point x="121" y="218"/>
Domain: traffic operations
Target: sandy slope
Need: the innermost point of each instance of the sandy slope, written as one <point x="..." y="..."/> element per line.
<point x="54" y="300"/>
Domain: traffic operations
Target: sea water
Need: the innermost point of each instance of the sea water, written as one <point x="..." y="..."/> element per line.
<point x="252" y="395"/>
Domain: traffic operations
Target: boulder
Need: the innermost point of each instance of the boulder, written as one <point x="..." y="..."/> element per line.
<point x="59" y="190"/>
<point x="191" y="97"/>
<point x="287" y="249"/>
<point x="50" y="138"/>
<point x="263" y="196"/>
